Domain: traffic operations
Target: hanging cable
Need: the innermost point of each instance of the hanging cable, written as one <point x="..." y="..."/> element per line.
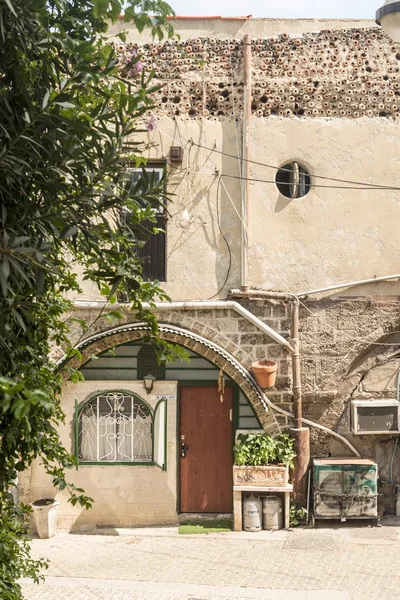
<point x="226" y="242"/>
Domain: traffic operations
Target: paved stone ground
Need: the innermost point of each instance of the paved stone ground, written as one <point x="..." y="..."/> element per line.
<point x="330" y="563"/>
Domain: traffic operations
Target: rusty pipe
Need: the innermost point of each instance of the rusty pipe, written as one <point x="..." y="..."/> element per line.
<point x="253" y="293"/>
<point x="295" y="343"/>
<point x="245" y="164"/>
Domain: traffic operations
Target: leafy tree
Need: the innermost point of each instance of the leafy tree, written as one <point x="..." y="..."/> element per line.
<point x="70" y="118"/>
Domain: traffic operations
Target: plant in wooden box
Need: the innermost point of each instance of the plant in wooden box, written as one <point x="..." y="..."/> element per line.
<point x="261" y="460"/>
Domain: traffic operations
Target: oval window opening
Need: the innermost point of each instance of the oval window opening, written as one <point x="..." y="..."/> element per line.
<point x="293" y="181"/>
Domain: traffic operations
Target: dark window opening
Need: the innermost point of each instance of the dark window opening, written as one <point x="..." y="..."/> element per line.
<point x="153" y="252"/>
<point x="293" y="181"/>
<point x="147" y="364"/>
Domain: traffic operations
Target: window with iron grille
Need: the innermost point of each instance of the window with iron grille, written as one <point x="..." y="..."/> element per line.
<point x="118" y="427"/>
<point x="115" y="427"/>
<point x="153" y="253"/>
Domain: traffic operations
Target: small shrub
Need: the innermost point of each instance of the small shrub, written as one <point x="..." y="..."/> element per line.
<point x="260" y="449"/>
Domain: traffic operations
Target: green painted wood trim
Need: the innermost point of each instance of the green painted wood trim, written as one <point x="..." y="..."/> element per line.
<point x="165" y="435"/>
<point x="94" y="368"/>
<point x="164" y="466"/>
<point x="76" y="440"/>
<point x="118" y="463"/>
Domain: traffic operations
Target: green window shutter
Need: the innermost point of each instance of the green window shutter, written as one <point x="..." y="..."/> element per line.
<point x="76" y="431"/>
<point x="160" y="435"/>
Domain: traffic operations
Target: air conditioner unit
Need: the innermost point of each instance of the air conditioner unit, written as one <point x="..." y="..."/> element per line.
<point x="375" y="417"/>
<point x="345" y="488"/>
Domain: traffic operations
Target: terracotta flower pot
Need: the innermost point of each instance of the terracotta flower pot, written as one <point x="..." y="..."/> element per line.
<point x="265" y="372"/>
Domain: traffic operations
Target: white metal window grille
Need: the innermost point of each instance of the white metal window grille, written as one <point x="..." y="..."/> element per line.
<point x="115" y="427"/>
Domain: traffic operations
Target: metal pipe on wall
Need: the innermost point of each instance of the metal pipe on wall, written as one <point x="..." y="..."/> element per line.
<point x="245" y="165"/>
<point x="193" y="305"/>
<point x="301" y="434"/>
<point x="340" y="286"/>
<point x="295" y="343"/>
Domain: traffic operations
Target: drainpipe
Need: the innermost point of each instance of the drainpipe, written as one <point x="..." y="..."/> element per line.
<point x="245" y="166"/>
<point x="193" y="305"/>
<point x="301" y="434"/>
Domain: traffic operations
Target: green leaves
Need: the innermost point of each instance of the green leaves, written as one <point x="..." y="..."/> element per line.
<point x="68" y="120"/>
<point x="260" y="449"/>
<point x="101" y="7"/>
<point x="10" y="6"/>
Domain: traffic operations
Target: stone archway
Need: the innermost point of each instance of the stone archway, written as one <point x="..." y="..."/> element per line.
<point x="213" y="352"/>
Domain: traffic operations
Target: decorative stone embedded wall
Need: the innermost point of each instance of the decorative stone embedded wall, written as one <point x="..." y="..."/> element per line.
<point x="343" y="73"/>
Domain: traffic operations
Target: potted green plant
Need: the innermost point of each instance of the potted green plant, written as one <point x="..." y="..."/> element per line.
<point x="261" y="460"/>
<point x="45" y="514"/>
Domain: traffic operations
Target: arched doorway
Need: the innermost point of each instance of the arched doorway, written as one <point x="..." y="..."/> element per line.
<point x="200" y="429"/>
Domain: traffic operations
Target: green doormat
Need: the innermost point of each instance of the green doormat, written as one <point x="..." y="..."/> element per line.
<point x="205" y="527"/>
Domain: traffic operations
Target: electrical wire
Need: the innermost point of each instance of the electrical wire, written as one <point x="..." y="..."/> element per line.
<point x="355" y="185"/>
<point x="226" y="242"/>
<point x="261" y="164"/>
<point x="321" y="320"/>
<point x="327" y="187"/>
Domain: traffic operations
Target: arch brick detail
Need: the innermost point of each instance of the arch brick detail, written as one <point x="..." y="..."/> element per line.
<point x="192" y="341"/>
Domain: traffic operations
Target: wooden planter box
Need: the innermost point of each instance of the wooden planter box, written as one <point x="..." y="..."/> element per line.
<point x="269" y="476"/>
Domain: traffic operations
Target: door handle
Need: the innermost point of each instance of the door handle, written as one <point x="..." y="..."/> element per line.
<point x="184" y="449"/>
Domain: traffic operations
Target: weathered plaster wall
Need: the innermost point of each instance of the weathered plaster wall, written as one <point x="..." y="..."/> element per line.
<point x="236" y="28"/>
<point x="330" y="236"/>
<point x="125" y="496"/>
<point x="309" y="94"/>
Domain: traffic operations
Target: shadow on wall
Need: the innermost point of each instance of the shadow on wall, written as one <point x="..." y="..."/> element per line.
<point x="374" y="376"/>
<point x="207" y="216"/>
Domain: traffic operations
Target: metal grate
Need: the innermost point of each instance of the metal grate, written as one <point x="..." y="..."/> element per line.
<point x="115" y="427"/>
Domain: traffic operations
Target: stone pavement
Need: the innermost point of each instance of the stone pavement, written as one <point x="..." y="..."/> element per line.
<point x="329" y="563"/>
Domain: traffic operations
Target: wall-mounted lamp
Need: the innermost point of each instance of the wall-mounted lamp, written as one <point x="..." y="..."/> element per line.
<point x="149" y="382"/>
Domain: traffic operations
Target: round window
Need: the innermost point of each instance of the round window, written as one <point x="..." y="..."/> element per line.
<point x="293" y="181"/>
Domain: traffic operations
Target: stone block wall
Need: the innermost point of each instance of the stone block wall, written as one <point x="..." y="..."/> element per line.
<point x="347" y="348"/>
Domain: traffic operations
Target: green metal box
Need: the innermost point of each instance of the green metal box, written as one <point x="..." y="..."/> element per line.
<point x="345" y="488"/>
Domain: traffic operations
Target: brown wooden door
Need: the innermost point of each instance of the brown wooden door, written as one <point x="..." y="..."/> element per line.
<point x="206" y="471"/>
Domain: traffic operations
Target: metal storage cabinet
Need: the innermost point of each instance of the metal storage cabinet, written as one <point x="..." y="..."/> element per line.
<point x="345" y="488"/>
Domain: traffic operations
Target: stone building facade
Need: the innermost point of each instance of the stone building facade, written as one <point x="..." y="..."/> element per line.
<point x="325" y="96"/>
